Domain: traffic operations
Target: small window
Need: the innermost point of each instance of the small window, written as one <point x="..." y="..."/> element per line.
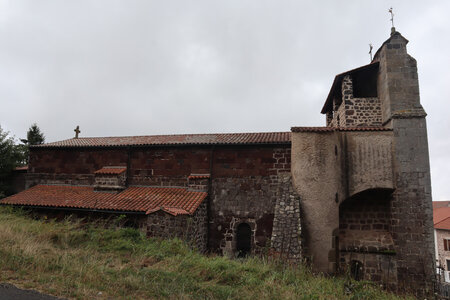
<point x="447" y="244"/>
<point x="448" y="264"/>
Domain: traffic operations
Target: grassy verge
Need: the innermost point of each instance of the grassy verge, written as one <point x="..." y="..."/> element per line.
<point x="71" y="260"/>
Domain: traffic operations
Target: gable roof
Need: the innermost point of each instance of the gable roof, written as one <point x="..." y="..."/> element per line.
<point x="176" y="139"/>
<point x="174" y="201"/>
<point x="441" y="218"/>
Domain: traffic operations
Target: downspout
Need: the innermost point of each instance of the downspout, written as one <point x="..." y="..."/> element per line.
<point x="127" y="180"/>
<point x="208" y="203"/>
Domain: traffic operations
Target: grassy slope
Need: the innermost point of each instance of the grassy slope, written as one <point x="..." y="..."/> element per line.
<point x="85" y="262"/>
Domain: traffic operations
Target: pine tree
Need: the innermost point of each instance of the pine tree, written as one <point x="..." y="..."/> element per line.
<point x="34" y="136"/>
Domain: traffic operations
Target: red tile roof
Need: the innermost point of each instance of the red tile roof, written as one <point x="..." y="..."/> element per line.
<point x="331" y="129"/>
<point x="179" y="139"/>
<point x="441" y="218"/>
<point x="437" y="204"/>
<point x="174" y="201"/>
<point x="111" y="170"/>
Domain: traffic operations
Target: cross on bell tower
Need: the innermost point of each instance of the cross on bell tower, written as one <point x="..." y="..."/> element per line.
<point x="77" y="131"/>
<point x="391" y="11"/>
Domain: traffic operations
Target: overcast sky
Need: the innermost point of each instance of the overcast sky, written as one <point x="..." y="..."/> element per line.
<point x="163" y="67"/>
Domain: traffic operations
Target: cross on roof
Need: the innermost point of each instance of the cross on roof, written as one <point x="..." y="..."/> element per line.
<point x="77" y="131"/>
<point x="391" y="11"/>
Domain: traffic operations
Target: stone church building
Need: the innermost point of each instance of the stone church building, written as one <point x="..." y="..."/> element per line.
<point x="352" y="195"/>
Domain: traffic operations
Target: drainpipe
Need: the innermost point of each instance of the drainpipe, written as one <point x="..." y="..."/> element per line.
<point x="208" y="203"/>
<point x="127" y="180"/>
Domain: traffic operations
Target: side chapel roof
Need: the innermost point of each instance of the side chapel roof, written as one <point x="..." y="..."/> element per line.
<point x="175" y="201"/>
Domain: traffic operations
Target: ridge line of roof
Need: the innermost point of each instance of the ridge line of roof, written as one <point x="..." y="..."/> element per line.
<point x="171" y="134"/>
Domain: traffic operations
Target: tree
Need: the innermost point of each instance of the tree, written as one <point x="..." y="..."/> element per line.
<point x="8" y="157"/>
<point x="34" y="136"/>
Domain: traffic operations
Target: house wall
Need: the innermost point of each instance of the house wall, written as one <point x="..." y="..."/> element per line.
<point x="442" y="255"/>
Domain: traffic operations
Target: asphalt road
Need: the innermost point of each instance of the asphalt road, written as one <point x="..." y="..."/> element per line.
<point x="10" y="292"/>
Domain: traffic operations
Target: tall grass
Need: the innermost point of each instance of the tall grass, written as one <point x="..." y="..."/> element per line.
<point x="87" y="261"/>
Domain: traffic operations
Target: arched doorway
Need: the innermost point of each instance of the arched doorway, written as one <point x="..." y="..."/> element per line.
<point x="243" y="240"/>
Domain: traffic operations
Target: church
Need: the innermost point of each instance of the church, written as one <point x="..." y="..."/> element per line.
<point x="353" y="195"/>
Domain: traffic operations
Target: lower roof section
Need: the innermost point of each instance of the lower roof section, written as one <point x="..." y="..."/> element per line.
<point x="175" y="201"/>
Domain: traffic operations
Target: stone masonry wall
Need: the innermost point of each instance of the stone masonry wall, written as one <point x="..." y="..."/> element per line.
<point x="33" y="179"/>
<point x="252" y="200"/>
<point x="286" y="234"/>
<point x="247" y="182"/>
<point x="354" y="112"/>
<point x="192" y="229"/>
<point x="106" y="181"/>
<point x="411" y="208"/>
<point x="364" y="236"/>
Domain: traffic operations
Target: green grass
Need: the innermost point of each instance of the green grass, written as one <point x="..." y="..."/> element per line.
<point x="88" y="261"/>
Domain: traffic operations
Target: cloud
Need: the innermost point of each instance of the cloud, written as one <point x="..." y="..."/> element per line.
<point x="161" y="67"/>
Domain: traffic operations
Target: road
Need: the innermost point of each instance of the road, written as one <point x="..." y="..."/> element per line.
<point x="10" y="292"/>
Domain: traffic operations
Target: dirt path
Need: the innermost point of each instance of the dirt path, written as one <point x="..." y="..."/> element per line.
<point x="10" y="292"/>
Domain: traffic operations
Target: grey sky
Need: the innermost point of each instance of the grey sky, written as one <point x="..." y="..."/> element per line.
<point x="162" y="67"/>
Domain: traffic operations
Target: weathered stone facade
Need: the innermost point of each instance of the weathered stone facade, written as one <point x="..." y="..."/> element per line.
<point x="350" y="111"/>
<point x="247" y="184"/>
<point x="366" y="198"/>
<point x="192" y="229"/>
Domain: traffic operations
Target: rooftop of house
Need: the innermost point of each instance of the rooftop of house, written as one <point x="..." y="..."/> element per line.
<point x="175" y="201"/>
<point x="441" y="217"/>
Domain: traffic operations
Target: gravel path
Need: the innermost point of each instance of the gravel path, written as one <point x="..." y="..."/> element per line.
<point x="10" y="292"/>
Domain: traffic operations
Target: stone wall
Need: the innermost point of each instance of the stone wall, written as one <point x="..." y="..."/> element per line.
<point x="255" y="199"/>
<point x="110" y="181"/>
<point x="369" y="161"/>
<point x="33" y="179"/>
<point x="364" y="236"/>
<point x="248" y="184"/>
<point x="411" y="207"/>
<point x="354" y="112"/>
<point x="192" y="229"/>
<point x="286" y="233"/>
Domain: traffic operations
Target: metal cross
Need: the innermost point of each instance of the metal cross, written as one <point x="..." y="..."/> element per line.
<point x="392" y="15"/>
<point x="77" y="131"/>
<point x="370" y="51"/>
